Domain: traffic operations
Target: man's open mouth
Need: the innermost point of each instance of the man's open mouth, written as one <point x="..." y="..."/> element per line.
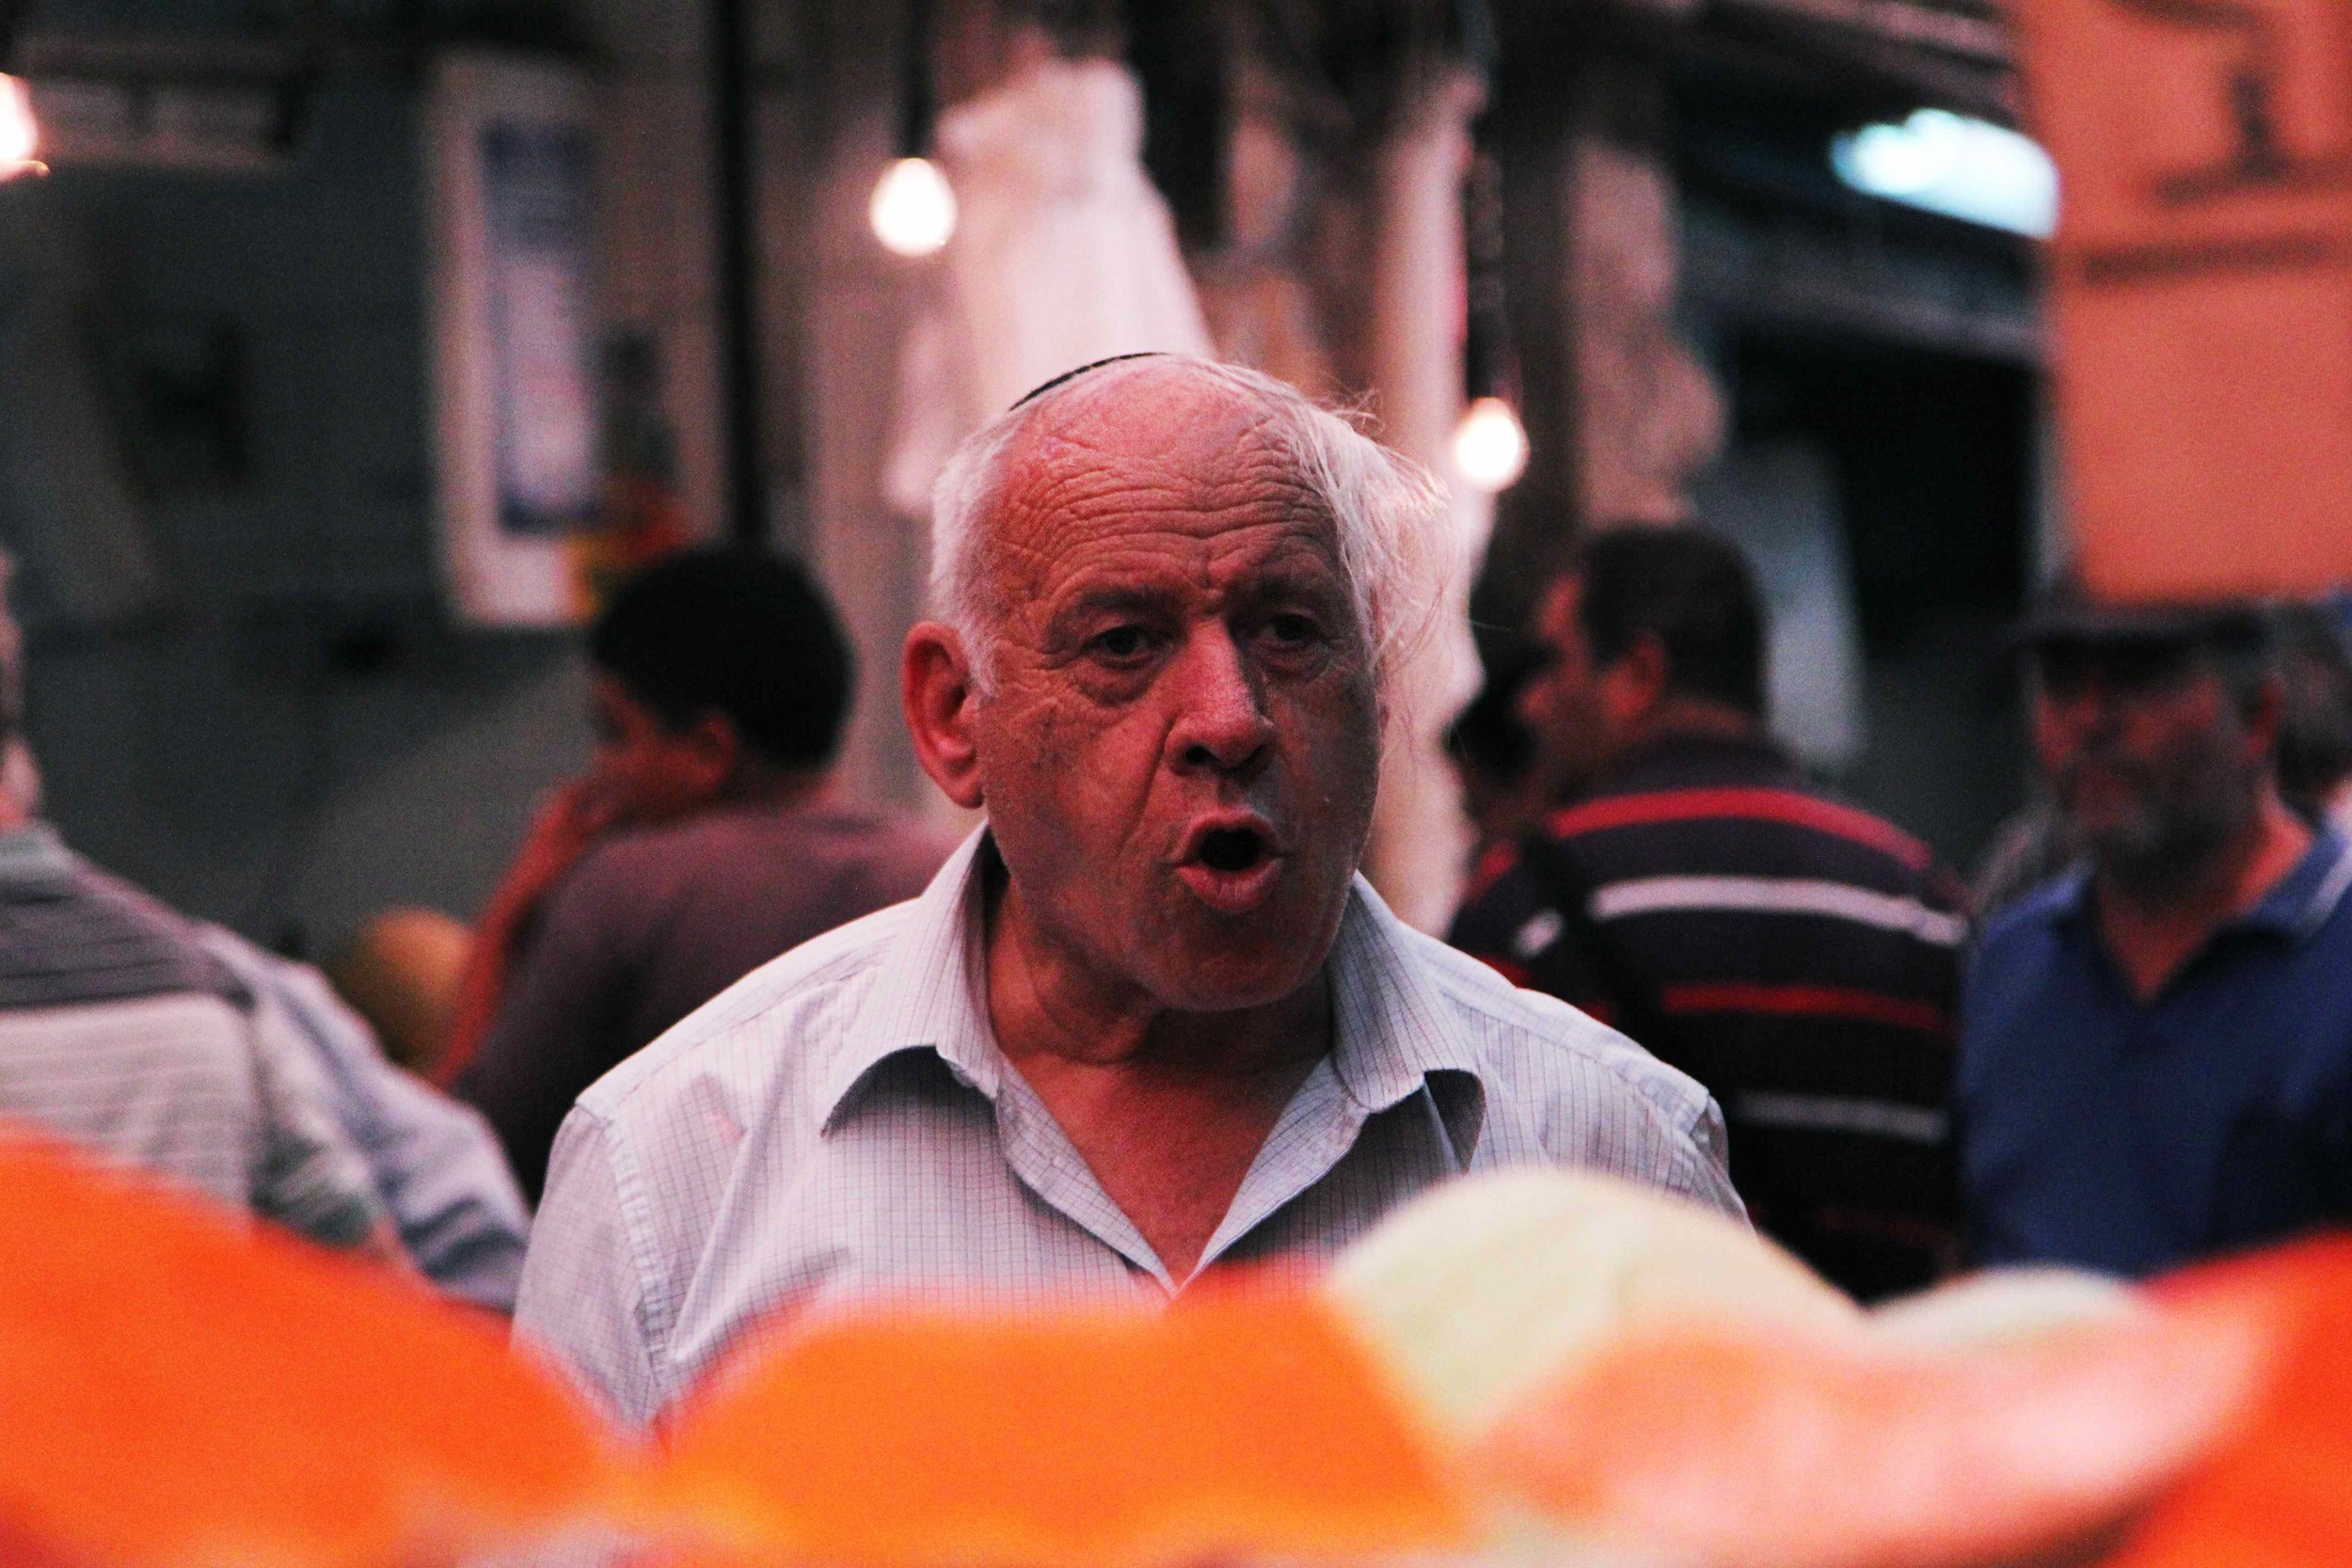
<point x="1233" y="866"/>
<point x="1232" y="848"/>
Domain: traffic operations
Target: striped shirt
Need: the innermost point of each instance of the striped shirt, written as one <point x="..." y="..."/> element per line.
<point x="119" y="1032"/>
<point x="1796" y="955"/>
<point x="841" y="1123"/>
<point x="435" y="1164"/>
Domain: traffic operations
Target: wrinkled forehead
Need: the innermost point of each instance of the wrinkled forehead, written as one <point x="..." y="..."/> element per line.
<point x="1157" y="455"/>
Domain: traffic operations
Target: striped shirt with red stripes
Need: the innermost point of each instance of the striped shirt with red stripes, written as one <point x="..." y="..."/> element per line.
<point x="1796" y="954"/>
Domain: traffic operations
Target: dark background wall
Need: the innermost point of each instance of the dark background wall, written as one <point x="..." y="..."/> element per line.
<point x="291" y="734"/>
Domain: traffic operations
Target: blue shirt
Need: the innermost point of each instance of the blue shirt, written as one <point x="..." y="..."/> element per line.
<point x="2101" y="1132"/>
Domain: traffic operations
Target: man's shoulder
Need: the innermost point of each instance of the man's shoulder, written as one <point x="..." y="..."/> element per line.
<point x="631" y="872"/>
<point x="2031" y="918"/>
<point x="2023" y="960"/>
<point x="844" y="832"/>
<point x="1532" y="1044"/>
<point x="76" y="934"/>
<point x="1779" y="799"/>
<point x="1499" y="901"/>
<point x="774" y="1023"/>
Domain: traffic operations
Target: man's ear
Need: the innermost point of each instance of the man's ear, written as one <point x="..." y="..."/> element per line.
<point x="1636" y="681"/>
<point x="706" y="753"/>
<point x="1555" y="610"/>
<point x="936" y="689"/>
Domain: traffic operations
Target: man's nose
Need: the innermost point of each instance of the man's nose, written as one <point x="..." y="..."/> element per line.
<point x="1221" y="722"/>
<point x="2082" y="711"/>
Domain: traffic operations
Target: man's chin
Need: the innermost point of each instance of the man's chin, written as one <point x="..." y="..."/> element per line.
<point x="1216" y="964"/>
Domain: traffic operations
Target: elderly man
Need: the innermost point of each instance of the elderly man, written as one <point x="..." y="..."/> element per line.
<point x="1149" y="1019"/>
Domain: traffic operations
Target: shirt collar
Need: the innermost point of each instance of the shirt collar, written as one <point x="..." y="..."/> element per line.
<point x="2295" y="908"/>
<point x="930" y="993"/>
<point x="34" y="856"/>
<point x="2303" y="899"/>
<point x="1392" y="1029"/>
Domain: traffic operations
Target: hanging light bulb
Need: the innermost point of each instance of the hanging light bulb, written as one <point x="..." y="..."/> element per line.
<point x="914" y="210"/>
<point x="1489" y="445"/>
<point x="20" y="137"/>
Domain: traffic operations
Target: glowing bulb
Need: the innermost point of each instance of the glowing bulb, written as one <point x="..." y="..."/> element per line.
<point x="914" y="212"/>
<point x="20" y="138"/>
<point x="1489" y="445"/>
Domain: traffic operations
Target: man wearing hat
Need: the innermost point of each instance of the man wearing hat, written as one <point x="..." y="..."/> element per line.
<point x="2156" y="1047"/>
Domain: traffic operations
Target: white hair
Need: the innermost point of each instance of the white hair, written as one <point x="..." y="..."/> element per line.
<point x="1396" y="543"/>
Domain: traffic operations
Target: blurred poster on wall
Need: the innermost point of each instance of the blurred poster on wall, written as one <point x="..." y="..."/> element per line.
<point x="510" y="169"/>
<point x="2202" y="286"/>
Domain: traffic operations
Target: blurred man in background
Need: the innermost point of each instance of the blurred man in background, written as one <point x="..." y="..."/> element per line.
<point x="2314" y="759"/>
<point x="2157" y="1050"/>
<point x="707" y="839"/>
<point x="1493" y="754"/>
<point x="436" y="1165"/>
<point x="122" y="1033"/>
<point x="2316" y="714"/>
<point x="1796" y="955"/>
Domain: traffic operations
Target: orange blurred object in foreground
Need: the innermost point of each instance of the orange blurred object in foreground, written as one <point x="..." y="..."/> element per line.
<point x="181" y="1389"/>
<point x="1741" y="1450"/>
<point x="2280" y="1495"/>
<point x="1240" y="1422"/>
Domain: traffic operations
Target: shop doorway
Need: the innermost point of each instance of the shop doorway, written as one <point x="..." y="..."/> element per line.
<point x="1888" y="493"/>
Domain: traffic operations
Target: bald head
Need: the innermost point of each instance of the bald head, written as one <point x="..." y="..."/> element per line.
<point x="1117" y="442"/>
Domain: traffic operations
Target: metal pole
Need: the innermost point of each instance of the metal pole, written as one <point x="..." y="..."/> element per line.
<point x="738" y="270"/>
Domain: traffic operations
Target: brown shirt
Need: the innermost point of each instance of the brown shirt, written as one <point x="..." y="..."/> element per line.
<point x="653" y="922"/>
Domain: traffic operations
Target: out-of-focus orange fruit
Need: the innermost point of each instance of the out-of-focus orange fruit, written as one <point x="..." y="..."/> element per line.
<point x="2278" y="1495"/>
<point x="178" y="1388"/>
<point x="1746" y="1449"/>
<point x="1241" y="1422"/>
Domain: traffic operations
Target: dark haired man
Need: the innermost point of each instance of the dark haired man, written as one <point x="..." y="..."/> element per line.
<point x="1795" y="954"/>
<point x="2157" y="1060"/>
<point x="704" y="840"/>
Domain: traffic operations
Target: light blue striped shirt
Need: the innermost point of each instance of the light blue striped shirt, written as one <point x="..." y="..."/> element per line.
<point x="841" y="1124"/>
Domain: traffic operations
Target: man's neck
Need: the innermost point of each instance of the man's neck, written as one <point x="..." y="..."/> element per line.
<point x="760" y="784"/>
<point x="1676" y="719"/>
<point x="2152" y="931"/>
<point x="1694" y="719"/>
<point x="1167" y="1108"/>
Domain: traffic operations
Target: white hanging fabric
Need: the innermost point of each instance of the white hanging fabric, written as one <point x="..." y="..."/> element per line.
<point x="1420" y="838"/>
<point x="1063" y="254"/>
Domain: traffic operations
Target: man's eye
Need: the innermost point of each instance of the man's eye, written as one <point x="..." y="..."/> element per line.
<point x="1292" y="630"/>
<point x="1119" y="643"/>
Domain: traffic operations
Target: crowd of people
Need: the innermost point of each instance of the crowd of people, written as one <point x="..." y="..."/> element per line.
<point x="2122" y="1049"/>
<point x="743" y="1044"/>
